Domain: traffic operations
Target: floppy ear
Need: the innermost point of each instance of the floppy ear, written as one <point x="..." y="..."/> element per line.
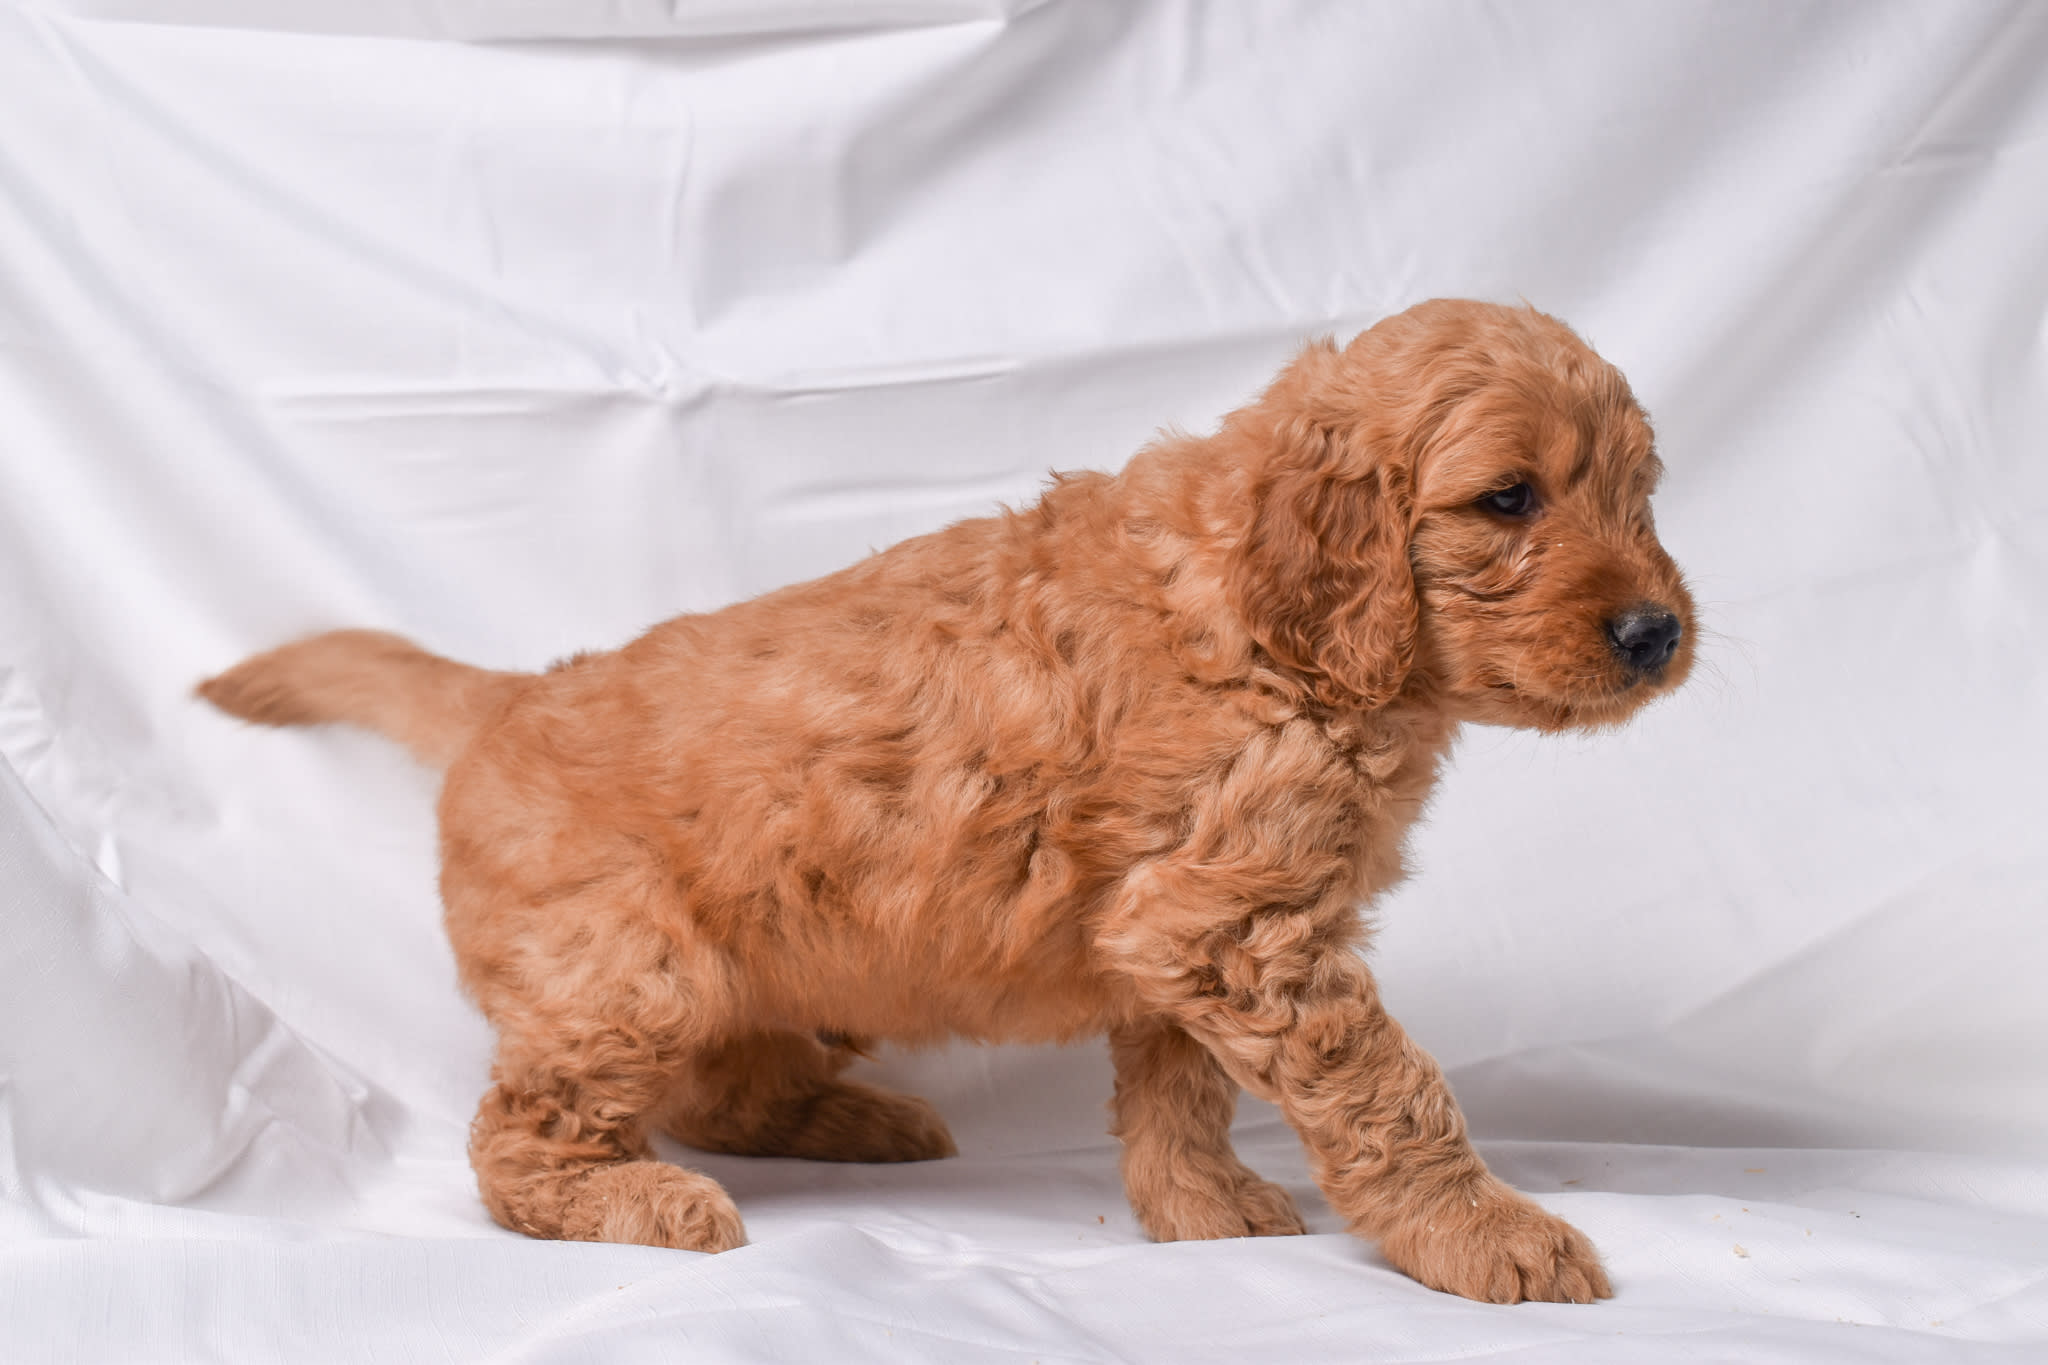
<point x="1323" y="576"/>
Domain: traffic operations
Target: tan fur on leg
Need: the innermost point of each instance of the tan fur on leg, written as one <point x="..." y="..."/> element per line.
<point x="562" y="1157"/>
<point x="1296" y="1018"/>
<point x="1173" y="1107"/>
<point x="778" y="1094"/>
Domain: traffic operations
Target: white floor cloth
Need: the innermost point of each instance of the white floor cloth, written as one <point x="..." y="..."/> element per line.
<point x="519" y="326"/>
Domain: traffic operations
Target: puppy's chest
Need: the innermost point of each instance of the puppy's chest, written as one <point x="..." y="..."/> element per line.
<point x="1391" y="768"/>
<point x="1397" y="790"/>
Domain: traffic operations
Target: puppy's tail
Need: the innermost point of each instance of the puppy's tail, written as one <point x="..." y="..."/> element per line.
<point x="370" y="678"/>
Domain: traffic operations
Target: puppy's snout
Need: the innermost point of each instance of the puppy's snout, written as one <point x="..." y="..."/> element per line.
<point x="1645" y="637"/>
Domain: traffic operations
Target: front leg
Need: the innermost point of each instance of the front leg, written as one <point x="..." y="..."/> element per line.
<point x="1388" y="1146"/>
<point x="1289" y="1009"/>
<point x="1173" y="1107"/>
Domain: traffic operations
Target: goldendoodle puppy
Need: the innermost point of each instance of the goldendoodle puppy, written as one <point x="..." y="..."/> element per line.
<point x="1126" y="760"/>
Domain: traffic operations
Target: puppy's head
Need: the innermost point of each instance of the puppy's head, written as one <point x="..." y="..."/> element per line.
<point x="1460" y="499"/>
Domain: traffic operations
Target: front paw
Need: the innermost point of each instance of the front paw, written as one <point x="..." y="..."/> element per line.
<point x="1203" y="1205"/>
<point x="1487" y="1242"/>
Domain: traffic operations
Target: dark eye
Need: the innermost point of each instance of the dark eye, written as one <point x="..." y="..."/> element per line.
<point x="1516" y="500"/>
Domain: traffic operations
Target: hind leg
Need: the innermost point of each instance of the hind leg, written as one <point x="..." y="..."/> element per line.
<point x="779" y="1094"/>
<point x="588" y="1042"/>
<point x="560" y="1149"/>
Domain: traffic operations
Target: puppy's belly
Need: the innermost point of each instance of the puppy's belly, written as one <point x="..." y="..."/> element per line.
<point x="917" y="928"/>
<point x="928" y="990"/>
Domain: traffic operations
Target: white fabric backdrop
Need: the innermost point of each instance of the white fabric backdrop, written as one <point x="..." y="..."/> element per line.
<point x="520" y="326"/>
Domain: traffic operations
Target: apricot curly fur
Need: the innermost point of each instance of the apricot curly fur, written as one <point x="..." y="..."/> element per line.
<point x="1126" y="760"/>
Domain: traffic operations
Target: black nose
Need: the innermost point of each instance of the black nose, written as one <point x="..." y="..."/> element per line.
<point x="1645" y="637"/>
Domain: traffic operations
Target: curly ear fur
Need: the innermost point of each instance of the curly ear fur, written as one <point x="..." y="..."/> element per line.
<point x="1323" y="576"/>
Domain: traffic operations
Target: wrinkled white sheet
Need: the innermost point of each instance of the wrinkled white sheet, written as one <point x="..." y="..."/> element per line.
<point x="520" y="326"/>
